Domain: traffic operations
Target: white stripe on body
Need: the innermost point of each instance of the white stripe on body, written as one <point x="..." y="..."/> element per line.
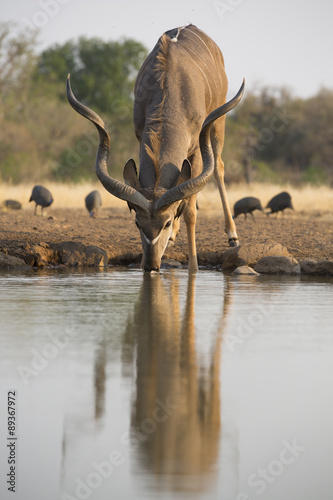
<point x="203" y="73"/>
<point x="215" y="76"/>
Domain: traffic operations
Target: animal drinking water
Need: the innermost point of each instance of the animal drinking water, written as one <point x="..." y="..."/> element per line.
<point x="179" y="120"/>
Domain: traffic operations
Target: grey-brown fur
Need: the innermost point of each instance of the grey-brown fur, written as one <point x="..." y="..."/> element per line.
<point x="179" y="110"/>
<point x="179" y="84"/>
<point x="247" y="205"/>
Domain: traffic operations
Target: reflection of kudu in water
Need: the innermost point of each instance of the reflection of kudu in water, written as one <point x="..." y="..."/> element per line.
<point x="72" y="432"/>
<point x="176" y="413"/>
<point x="99" y="378"/>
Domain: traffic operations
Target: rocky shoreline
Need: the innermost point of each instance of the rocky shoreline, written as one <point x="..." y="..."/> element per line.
<point x="68" y="238"/>
<point x="263" y="259"/>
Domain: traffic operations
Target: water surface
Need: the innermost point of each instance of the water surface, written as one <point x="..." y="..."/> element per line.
<point x="131" y="386"/>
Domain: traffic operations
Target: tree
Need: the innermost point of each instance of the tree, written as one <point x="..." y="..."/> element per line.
<point x="34" y="125"/>
<point x="102" y="73"/>
<point x="272" y="136"/>
<point x="17" y="61"/>
<point x="102" y="77"/>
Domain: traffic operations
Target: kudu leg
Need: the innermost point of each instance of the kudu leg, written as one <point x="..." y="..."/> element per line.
<point x="190" y="217"/>
<point x="217" y="138"/>
<point x="230" y="226"/>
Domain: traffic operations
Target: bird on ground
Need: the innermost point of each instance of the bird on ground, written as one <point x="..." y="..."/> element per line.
<point x="246" y="206"/>
<point x="42" y="197"/>
<point x="93" y="202"/>
<point x="279" y="203"/>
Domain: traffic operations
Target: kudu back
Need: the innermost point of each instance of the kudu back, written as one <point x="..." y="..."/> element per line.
<point x="179" y="119"/>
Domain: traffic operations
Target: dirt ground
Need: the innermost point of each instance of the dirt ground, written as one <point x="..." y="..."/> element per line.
<point x="306" y="235"/>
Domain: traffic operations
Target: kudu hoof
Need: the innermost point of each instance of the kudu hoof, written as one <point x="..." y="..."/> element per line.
<point x="233" y="242"/>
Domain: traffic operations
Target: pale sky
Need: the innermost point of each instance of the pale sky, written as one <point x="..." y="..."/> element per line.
<point x="269" y="42"/>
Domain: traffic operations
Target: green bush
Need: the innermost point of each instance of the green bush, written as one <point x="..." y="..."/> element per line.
<point x="315" y="176"/>
<point x="265" y="173"/>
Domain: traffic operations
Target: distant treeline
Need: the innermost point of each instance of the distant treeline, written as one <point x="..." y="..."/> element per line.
<point x="270" y="136"/>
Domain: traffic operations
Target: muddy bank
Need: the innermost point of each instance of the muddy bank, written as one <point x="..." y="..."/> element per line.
<point x="69" y="237"/>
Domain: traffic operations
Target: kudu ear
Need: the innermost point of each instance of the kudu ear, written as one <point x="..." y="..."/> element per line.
<point x="185" y="173"/>
<point x="180" y="209"/>
<point x="130" y="175"/>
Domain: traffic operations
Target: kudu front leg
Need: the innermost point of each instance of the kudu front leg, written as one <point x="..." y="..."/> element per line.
<point x="230" y="226"/>
<point x="190" y="217"/>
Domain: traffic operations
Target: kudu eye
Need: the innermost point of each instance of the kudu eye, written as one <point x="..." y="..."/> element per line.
<point x="168" y="224"/>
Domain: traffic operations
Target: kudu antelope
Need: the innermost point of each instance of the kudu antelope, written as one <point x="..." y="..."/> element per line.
<point x="179" y="122"/>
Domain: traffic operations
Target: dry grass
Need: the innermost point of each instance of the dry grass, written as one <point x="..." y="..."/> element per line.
<point x="64" y="195"/>
<point x="305" y="199"/>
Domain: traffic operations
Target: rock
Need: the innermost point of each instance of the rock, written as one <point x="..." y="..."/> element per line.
<point x="76" y="254"/>
<point x="12" y="205"/>
<point x="170" y="263"/>
<point x="30" y="259"/>
<point x="96" y="256"/>
<point x="277" y="264"/>
<point x="42" y="263"/>
<point x="10" y="261"/>
<point x="44" y="245"/>
<point x="40" y="255"/>
<point x="208" y="258"/>
<point x="245" y="270"/>
<point x="61" y="266"/>
<point x="124" y="259"/>
<point x="322" y="267"/>
<point x="248" y="255"/>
